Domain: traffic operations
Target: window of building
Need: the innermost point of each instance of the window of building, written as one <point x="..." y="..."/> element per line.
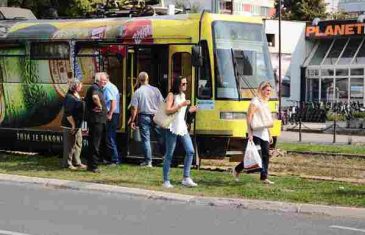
<point x="270" y="39"/>
<point x="357" y="72"/>
<point x="312" y="89"/>
<point x="343" y="89"/>
<point x="357" y="89"/>
<point x="327" y="90"/>
<point x="360" y="57"/>
<point x="335" y="52"/>
<point x="320" y="52"/>
<point x="350" y="51"/>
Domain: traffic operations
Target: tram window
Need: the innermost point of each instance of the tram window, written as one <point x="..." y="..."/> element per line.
<point x="182" y="67"/>
<point x="49" y="50"/>
<point x="205" y="80"/>
<point x="12" y="63"/>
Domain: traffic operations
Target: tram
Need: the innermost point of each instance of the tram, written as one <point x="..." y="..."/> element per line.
<point x="224" y="58"/>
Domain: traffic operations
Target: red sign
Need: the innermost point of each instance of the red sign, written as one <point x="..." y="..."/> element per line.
<point x="138" y="32"/>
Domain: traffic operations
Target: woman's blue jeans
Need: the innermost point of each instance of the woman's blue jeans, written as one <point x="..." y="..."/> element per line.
<point x="170" y="141"/>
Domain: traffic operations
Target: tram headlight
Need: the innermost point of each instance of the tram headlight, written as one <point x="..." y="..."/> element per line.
<point x="232" y="115"/>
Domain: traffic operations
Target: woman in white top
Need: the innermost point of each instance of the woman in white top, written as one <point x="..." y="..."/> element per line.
<point x="262" y="136"/>
<point x="176" y="103"/>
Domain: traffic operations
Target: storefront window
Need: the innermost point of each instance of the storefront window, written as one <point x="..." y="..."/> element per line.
<point x="320" y="52"/>
<point x="327" y="90"/>
<point x="360" y="57"/>
<point x="350" y="51"/>
<point x="312" y="89"/>
<point x="327" y="72"/>
<point x="342" y="72"/>
<point x="335" y="51"/>
<point x="358" y="72"/>
<point x="342" y="86"/>
<point x="357" y="89"/>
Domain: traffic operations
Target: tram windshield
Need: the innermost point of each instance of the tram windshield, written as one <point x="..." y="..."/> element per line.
<point x="242" y="59"/>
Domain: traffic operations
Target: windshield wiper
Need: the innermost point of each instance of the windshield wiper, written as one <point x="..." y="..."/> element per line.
<point x="234" y="61"/>
<point x="242" y="77"/>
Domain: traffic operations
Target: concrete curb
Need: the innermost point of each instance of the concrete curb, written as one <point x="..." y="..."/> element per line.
<point x="350" y="212"/>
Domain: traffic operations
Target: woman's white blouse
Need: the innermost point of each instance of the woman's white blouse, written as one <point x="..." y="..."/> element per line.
<point x="261" y="133"/>
<point x="178" y="125"/>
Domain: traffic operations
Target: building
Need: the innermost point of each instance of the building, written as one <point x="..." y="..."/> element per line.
<point x="293" y="52"/>
<point x="334" y="67"/>
<point x="354" y="7"/>
<point x="332" y="5"/>
<point x="263" y="8"/>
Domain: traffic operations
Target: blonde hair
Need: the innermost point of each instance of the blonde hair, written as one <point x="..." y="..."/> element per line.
<point x="262" y="86"/>
<point x="142" y="77"/>
<point x="98" y="76"/>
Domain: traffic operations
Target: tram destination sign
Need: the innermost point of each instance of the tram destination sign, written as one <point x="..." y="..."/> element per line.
<point x="333" y="29"/>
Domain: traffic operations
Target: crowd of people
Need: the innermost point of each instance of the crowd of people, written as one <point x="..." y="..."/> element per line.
<point x="101" y="109"/>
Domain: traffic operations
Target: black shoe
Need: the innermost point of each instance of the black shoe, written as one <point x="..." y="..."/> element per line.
<point x="95" y="170"/>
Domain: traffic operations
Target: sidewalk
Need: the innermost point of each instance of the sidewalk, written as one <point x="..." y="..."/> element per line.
<point x="307" y="137"/>
<point x="350" y="212"/>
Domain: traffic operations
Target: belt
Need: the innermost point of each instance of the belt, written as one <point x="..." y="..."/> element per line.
<point x="146" y="114"/>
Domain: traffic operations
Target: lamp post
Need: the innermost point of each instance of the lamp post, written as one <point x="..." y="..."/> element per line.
<point x="279" y="75"/>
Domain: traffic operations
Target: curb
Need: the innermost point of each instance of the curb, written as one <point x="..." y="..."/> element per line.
<point x="337" y="211"/>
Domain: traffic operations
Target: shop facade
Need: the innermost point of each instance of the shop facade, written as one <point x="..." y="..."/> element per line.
<point x="334" y="68"/>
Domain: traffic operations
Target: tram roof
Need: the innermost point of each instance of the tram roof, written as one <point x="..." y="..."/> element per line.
<point x="181" y="28"/>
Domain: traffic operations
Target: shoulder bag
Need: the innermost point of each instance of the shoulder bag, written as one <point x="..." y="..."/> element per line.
<point x="262" y="118"/>
<point x="163" y="119"/>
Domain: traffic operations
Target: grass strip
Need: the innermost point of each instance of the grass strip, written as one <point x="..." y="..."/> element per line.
<point x="211" y="183"/>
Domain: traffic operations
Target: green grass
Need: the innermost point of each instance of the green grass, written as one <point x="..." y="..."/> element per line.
<point x="348" y="149"/>
<point x="211" y="183"/>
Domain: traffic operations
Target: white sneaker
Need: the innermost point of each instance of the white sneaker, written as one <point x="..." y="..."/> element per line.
<point x="188" y="182"/>
<point x="235" y="175"/>
<point x="146" y="164"/>
<point x="267" y="181"/>
<point x="167" y="185"/>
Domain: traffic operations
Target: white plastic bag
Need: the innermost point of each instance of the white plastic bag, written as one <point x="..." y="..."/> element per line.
<point x="252" y="159"/>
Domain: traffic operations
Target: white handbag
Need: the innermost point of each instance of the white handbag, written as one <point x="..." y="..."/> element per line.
<point x="163" y="119"/>
<point x="262" y="118"/>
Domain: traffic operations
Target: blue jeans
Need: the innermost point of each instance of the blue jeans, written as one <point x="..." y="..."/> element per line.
<point x="170" y="140"/>
<point x="146" y="124"/>
<point x="111" y="129"/>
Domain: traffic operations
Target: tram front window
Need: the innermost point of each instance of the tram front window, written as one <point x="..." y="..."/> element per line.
<point x="242" y="59"/>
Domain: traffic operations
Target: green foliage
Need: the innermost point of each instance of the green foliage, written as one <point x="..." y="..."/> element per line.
<point x="332" y="116"/>
<point x="358" y="114"/>
<point x="303" y="10"/>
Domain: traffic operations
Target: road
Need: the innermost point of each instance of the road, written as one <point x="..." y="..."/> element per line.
<point x="36" y="210"/>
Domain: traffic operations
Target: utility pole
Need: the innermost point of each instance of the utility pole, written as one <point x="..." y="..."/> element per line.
<point x="279" y="59"/>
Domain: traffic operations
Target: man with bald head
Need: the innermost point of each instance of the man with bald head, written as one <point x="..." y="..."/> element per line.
<point x="145" y="102"/>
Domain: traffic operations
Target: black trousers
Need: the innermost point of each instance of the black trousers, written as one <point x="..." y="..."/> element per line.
<point x="265" y="145"/>
<point x="97" y="144"/>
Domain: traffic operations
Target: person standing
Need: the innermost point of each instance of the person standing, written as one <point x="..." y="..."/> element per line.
<point x="261" y="136"/>
<point x="145" y="102"/>
<point x="112" y="99"/>
<point x="176" y="103"/>
<point x="73" y="115"/>
<point x="96" y="120"/>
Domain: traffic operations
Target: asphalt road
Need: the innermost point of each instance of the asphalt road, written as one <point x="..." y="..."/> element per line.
<point x="36" y="210"/>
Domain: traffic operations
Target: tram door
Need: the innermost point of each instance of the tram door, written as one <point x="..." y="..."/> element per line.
<point x="154" y="61"/>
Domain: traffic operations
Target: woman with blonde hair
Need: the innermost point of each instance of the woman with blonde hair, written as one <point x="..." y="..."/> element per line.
<point x="261" y="137"/>
<point x="71" y="123"/>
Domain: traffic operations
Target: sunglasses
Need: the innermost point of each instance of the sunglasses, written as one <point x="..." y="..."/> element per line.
<point x="184" y="84"/>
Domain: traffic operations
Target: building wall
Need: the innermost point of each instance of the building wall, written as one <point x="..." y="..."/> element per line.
<point x="352" y="6"/>
<point x="332" y="5"/>
<point x="294" y="51"/>
<point x="3" y="3"/>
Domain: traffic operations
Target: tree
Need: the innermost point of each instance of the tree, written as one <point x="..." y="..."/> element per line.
<point x="303" y="10"/>
<point x="194" y="6"/>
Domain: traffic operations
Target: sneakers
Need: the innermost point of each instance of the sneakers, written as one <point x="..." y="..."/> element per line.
<point x="235" y="175"/>
<point x="146" y="164"/>
<point x="81" y="166"/>
<point x="167" y="185"/>
<point x="188" y="182"/>
<point x="267" y="181"/>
